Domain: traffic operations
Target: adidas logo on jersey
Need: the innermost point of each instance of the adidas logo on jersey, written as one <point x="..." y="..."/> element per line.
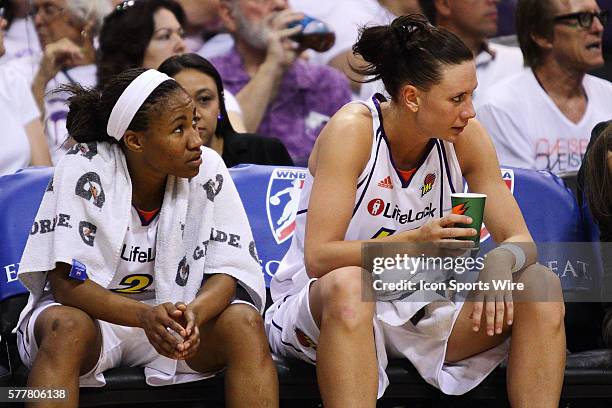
<point x="386" y="183"/>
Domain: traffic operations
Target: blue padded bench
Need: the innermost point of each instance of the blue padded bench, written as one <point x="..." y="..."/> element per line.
<point x="550" y="210"/>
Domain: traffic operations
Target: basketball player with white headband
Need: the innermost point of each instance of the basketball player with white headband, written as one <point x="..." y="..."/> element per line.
<point x="135" y="270"/>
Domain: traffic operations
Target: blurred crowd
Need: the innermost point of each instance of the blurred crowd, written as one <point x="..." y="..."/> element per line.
<point x="265" y="83"/>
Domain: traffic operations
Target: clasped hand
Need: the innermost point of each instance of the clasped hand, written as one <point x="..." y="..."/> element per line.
<point x="171" y="330"/>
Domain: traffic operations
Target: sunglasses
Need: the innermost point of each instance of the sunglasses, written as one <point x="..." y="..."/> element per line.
<point x="585" y="18"/>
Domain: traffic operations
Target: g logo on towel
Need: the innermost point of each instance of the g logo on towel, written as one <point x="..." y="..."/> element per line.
<point x="89" y="187"/>
<point x="88" y="232"/>
<point x="49" y="186"/>
<point x="88" y="150"/>
<point x="253" y="251"/>
<point x="182" y="272"/>
<point x="213" y="188"/>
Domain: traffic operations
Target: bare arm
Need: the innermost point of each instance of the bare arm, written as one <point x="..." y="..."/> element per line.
<point x="92" y="298"/>
<point x="38" y="144"/>
<point x="336" y="165"/>
<point x="57" y="55"/>
<point x="236" y="121"/>
<point x="215" y="296"/>
<point x="103" y="304"/>
<point x="480" y="167"/>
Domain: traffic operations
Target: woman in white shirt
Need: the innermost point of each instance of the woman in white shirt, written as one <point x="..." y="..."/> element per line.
<point x="21" y="136"/>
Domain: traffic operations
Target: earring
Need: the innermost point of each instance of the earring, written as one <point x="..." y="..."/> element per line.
<point x="84" y="34"/>
<point x="219" y="116"/>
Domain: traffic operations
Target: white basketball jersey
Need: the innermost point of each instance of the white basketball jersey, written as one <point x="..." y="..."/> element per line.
<point x="384" y="203"/>
<point x="135" y="275"/>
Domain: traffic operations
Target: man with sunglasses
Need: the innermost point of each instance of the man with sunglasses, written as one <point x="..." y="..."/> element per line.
<point x="542" y="118"/>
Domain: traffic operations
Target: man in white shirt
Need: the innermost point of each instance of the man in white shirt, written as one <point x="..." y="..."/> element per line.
<point x="542" y="118"/>
<point x="474" y="21"/>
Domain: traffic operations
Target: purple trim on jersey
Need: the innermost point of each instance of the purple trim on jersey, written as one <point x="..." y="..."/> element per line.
<point x="430" y="144"/>
<point x="365" y="189"/>
<point x="450" y="180"/>
<point x="438" y="143"/>
<point x="276" y="325"/>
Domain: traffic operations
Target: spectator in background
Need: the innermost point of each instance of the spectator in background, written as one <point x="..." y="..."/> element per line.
<point x="21" y="136"/>
<point x="203" y="83"/>
<point x="542" y="118"/>
<point x="66" y="31"/>
<point x="20" y="38"/>
<point x="204" y="29"/>
<point x="280" y="94"/>
<point x="155" y="32"/>
<point x="345" y="17"/>
<point x="474" y="21"/>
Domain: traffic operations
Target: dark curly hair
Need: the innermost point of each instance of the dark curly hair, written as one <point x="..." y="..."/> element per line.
<point x="126" y="34"/>
<point x="90" y="108"/>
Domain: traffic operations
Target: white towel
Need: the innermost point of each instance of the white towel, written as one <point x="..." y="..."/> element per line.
<point x="203" y="228"/>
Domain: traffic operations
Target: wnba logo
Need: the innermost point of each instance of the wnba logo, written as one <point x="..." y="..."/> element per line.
<point x="376" y="206"/>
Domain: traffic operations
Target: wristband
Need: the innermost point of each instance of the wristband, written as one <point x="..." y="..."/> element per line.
<point x="519" y="255"/>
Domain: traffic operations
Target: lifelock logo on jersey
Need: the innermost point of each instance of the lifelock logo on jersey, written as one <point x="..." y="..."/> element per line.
<point x="377" y="206"/>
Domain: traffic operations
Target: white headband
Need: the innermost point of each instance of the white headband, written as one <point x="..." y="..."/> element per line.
<point x="131" y="100"/>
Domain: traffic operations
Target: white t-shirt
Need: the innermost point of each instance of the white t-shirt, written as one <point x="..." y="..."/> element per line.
<point x="530" y="131"/>
<point x="17" y="109"/>
<point x="345" y="17"/>
<point x="20" y="40"/>
<point x="499" y="62"/>
<point x="231" y="103"/>
<point x="56" y="106"/>
<point x="216" y="46"/>
<point x="495" y="64"/>
<point x="135" y="275"/>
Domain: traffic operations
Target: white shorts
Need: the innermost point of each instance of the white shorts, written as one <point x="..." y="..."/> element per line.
<point x="121" y="347"/>
<point x="292" y="332"/>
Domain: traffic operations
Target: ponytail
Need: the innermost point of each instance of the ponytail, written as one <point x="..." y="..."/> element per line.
<point x="409" y="50"/>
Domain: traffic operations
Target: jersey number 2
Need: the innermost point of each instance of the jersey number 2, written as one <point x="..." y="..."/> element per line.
<point x="135" y="283"/>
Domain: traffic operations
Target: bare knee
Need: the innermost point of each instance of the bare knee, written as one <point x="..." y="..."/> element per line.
<point x="244" y="332"/>
<point x="242" y="320"/>
<point x="62" y="329"/>
<point x="544" y="298"/>
<point x="342" y="297"/>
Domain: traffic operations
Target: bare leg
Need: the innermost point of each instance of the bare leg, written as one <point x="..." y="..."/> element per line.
<point x="236" y="340"/>
<point x="347" y="369"/>
<point x="537" y="350"/>
<point x="69" y="343"/>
